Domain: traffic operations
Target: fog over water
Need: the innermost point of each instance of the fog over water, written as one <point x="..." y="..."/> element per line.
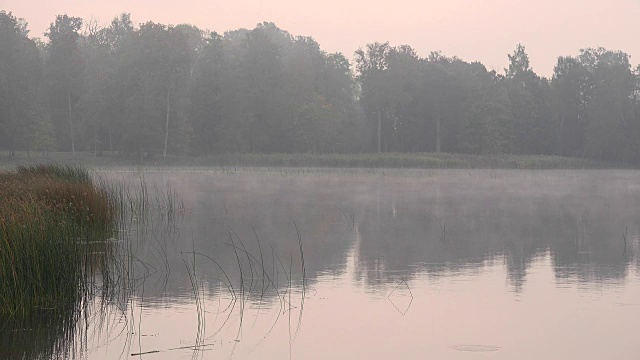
<point x="404" y="264"/>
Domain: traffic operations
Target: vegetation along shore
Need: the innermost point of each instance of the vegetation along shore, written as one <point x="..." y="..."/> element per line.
<point x="51" y="220"/>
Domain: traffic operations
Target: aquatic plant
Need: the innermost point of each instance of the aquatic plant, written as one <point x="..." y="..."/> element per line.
<point x="51" y="219"/>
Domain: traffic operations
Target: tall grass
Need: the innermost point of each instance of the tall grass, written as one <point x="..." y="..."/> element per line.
<point x="357" y="160"/>
<point x="400" y="160"/>
<point x="68" y="247"/>
<point x="51" y="219"/>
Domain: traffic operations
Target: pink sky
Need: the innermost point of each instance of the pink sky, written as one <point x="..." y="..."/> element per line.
<point x="474" y="30"/>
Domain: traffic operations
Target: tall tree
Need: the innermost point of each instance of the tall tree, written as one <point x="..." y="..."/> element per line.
<point x="20" y="78"/>
<point x="103" y="100"/>
<point x="265" y="84"/>
<point x="63" y="71"/>
<point x="594" y="94"/>
<point x="610" y="132"/>
<point x="207" y="91"/>
<point x="372" y="67"/>
<point x="438" y="89"/>
<point x="530" y="105"/>
<point x="156" y="68"/>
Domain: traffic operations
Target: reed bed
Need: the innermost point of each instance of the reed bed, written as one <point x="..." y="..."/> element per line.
<point x="52" y="218"/>
<point x="68" y="255"/>
<point x="403" y="160"/>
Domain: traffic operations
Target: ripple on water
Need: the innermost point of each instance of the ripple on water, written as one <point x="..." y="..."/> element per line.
<point x="475" y="348"/>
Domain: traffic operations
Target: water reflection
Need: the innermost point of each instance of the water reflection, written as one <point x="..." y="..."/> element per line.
<point x="440" y="226"/>
<point x="45" y="334"/>
<point x="436" y="222"/>
<point x="230" y="271"/>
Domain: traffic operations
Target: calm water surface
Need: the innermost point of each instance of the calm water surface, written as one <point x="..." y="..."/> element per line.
<point x="456" y="264"/>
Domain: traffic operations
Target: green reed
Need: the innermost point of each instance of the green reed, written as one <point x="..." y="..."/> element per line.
<point x="68" y="244"/>
<point x="52" y="220"/>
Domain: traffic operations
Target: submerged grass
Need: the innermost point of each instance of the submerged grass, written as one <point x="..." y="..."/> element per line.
<point x="52" y="219"/>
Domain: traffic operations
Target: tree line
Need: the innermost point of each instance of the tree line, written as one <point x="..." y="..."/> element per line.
<point x="154" y="89"/>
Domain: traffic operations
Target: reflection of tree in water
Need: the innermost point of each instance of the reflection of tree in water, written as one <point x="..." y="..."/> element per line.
<point x="447" y="228"/>
<point x="259" y="212"/>
<point x="439" y="223"/>
<point x="391" y="228"/>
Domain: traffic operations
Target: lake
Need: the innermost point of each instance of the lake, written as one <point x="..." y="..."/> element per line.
<point x="364" y="264"/>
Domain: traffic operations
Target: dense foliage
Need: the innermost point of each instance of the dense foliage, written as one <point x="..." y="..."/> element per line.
<point x="152" y="90"/>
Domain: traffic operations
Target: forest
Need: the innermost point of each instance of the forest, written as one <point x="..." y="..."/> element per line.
<point x="153" y="90"/>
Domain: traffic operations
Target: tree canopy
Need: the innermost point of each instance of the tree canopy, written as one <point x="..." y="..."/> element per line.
<point x="154" y="89"/>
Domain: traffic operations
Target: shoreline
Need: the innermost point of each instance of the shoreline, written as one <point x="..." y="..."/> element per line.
<point x="346" y="161"/>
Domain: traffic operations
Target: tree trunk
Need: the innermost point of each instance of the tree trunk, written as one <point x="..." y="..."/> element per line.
<point x="560" y="137"/>
<point x="437" y="133"/>
<point x="166" y="128"/>
<point x="73" y="145"/>
<point x="12" y="150"/>
<point x="379" y="129"/>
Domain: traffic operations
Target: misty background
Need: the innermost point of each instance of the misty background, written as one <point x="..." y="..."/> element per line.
<point x="152" y="89"/>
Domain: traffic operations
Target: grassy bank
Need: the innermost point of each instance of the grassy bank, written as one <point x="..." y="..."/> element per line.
<point x="51" y="219"/>
<point x="365" y="160"/>
<point x="403" y="160"/>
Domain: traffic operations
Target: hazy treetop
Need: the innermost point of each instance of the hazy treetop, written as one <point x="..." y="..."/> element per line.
<point x="474" y="30"/>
